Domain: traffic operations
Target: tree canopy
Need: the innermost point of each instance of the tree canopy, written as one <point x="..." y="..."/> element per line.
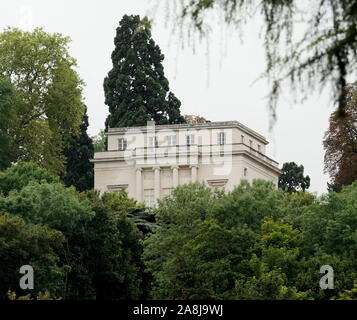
<point x="41" y="69"/>
<point x="292" y="179"/>
<point x="20" y="175"/>
<point x="340" y="142"/>
<point x="255" y="242"/>
<point x="28" y="244"/>
<point x="136" y="89"/>
<point x="9" y="102"/>
<point x="81" y="245"/>
<point x="79" y="150"/>
<point x="99" y="141"/>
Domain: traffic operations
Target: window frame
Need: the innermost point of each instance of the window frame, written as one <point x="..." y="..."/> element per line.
<point x="122" y="144"/>
<point x="171" y="140"/>
<point x="155" y="140"/>
<point x="245" y="172"/>
<point x="149" y="197"/>
<point x="190" y="139"/>
<point x="221" y="138"/>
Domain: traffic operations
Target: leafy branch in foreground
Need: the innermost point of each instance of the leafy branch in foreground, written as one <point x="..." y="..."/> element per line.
<point x="325" y="54"/>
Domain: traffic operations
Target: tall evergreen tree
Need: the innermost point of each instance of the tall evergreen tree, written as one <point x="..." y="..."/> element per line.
<point x="136" y="89"/>
<point x="78" y="150"/>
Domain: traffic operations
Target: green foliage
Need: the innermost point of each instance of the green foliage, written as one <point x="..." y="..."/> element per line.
<point x="27" y="244"/>
<point x="331" y="226"/>
<point x="78" y="150"/>
<point x="101" y="247"/>
<point x="9" y="102"/>
<point x="255" y="242"/>
<point x="114" y="253"/>
<point x="119" y="202"/>
<point x="249" y="204"/>
<point x="21" y="174"/>
<point x="178" y="216"/>
<point x="203" y="236"/>
<point x="349" y="294"/>
<point x="292" y="179"/>
<point x="49" y="204"/>
<point x="144" y="219"/>
<point x="11" y="295"/>
<point x="294" y="206"/>
<point x="274" y="265"/>
<point x="136" y="89"/>
<point x="268" y="286"/>
<point x="99" y="141"/>
<point x="51" y="107"/>
<point x="61" y="209"/>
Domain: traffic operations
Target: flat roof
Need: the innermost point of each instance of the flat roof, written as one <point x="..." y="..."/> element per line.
<point x="217" y="124"/>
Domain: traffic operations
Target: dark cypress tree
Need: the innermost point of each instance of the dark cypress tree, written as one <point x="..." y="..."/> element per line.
<point x="136" y="89"/>
<point x="78" y="150"/>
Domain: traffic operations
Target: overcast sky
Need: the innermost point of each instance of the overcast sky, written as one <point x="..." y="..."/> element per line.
<point x="220" y="87"/>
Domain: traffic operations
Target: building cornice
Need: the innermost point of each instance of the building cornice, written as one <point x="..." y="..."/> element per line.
<point x="187" y="126"/>
<point x="255" y="156"/>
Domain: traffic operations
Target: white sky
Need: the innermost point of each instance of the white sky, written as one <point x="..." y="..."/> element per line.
<point x="220" y="90"/>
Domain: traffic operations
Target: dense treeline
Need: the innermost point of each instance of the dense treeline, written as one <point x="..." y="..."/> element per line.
<point x="255" y="242"/>
<point x="81" y="246"/>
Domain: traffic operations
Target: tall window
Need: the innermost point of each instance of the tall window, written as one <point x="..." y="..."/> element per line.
<point x="153" y="142"/>
<point x="171" y="141"/>
<point x="149" y="197"/>
<point x="245" y="172"/>
<point x="242" y="138"/>
<point x="122" y="144"/>
<point x="190" y="139"/>
<point x="259" y="148"/>
<point x="251" y="143"/>
<point x="221" y="137"/>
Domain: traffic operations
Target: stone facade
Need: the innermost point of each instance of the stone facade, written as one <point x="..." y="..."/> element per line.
<point x="148" y="162"/>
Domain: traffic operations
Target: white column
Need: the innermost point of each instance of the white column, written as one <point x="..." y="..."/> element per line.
<point x="193" y="173"/>
<point x="157" y="182"/>
<point x="138" y="185"/>
<point x="174" y="176"/>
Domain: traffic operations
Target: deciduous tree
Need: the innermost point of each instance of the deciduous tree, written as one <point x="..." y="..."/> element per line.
<point x="194" y="119"/>
<point x="20" y="175"/>
<point x="9" y="102"/>
<point x="28" y="244"/>
<point x="247" y="244"/>
<point x="41" y="69"/>
<point x="99" y="141"/>
<point x="340" y="142"/>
